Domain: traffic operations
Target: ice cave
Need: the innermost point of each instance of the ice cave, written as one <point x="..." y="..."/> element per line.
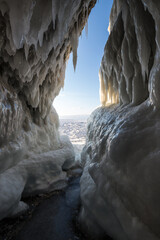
<point x="120" y="184"/>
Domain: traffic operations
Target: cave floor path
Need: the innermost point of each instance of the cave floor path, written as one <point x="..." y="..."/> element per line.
<point x="53" y="218"/>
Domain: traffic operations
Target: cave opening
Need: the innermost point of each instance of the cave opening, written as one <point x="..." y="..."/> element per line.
<point x="80" y="94"/>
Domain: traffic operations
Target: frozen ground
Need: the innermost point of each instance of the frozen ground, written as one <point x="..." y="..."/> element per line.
<point x="75" y="127"/>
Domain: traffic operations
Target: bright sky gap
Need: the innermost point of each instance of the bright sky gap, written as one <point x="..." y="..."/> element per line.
<point x="80" y="95"/>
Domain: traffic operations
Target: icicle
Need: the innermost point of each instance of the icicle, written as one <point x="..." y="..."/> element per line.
<point x="40" y="38"/>
<point x="86" y="26"/>
<point x="55" y="10"/>
<point x="77" y="26"/>
<point x="145" y="6"/>
<point x="102" y="91"/>
<point x="26" y="50"/>
<point x="109" y="27"/>
<point x="74" y="45"/>
<point x="20" y="29"/>
<point x="3" y="7"/>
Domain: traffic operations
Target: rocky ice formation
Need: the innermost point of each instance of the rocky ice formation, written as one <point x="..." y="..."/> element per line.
<point x="120" y="186"/>
<point x="35" y="42"/>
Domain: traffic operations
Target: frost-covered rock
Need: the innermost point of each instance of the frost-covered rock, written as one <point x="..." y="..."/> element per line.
<point x="36" y="174"/>
<point x="120" y="187"/>
<point x="35" y="42"/>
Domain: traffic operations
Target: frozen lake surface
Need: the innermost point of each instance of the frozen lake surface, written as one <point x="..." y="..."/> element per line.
<point x="75" y="127"/>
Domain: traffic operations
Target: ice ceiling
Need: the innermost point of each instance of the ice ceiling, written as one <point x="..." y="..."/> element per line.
<point x="36" y="41"/>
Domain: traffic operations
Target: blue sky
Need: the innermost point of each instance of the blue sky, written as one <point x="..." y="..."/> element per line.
<point x="80" y="95"/>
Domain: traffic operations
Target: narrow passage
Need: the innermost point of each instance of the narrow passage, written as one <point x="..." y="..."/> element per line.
<point x="53" y="218"/>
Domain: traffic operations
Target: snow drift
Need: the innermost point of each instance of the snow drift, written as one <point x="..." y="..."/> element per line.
<point x="35" y="42"/>
<point x="120" y="186"/>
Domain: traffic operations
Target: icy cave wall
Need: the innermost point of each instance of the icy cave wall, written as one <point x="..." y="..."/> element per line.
<point x="120" y="186"/>
<point x="35" y="42"/>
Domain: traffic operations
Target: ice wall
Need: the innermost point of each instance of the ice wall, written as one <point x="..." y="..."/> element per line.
<point x="120" y="186"/>
<point x="35" y="42"/>
<point x="131" y="54"/>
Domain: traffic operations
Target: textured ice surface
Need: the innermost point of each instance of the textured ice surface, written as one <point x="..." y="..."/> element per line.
<point x="130" y="64"/>
<point x="36" y="174"/>
<point x="120" y="184"/>
<point x="35" y="42"/>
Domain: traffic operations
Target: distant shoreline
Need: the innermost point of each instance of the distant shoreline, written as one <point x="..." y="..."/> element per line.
<point x="74" y="117"/>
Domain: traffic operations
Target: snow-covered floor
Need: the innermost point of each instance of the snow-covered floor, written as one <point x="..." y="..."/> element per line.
<point x="75" y="128"/>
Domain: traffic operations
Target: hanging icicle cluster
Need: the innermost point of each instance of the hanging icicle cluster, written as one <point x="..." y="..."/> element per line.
<point x="35" y="43"/>
<point x="130" y="54"/>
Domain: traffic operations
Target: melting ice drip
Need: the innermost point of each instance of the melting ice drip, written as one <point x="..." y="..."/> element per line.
<point x="74" y="39"/>
<point x="108" y="94"/>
